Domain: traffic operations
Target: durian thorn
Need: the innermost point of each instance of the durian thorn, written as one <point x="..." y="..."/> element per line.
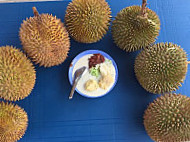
<point x="35" y="11"/>
<point x="143" y="10"/>
<point x="113" y="17"/>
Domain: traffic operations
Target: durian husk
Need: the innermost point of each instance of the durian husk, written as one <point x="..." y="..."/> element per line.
<point x="132" y="31"/>
<point x="167" y="119"/>
<point x="45" y="39"/>
<point x="161" y="68"/>
<point x="17" y="74"/>
<point x="87" y="21"/>
<point x="13" y="122"/>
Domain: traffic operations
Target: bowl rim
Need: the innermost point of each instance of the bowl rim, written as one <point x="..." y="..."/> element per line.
<point x="84" y="53"/>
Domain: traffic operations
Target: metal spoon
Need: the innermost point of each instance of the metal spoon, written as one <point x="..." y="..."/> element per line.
<point x="78" y="74"/>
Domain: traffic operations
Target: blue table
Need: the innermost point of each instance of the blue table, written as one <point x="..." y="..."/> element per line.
<point x="117" y="117"/>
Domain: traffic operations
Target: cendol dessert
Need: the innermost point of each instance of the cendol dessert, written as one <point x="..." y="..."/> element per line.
<point x="100" y="76"/>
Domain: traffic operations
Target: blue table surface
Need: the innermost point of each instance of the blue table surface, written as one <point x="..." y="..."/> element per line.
<point x="116" y="117"/>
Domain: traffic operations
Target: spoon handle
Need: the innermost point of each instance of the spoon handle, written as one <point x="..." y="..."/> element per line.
<point x="73" y="90"/>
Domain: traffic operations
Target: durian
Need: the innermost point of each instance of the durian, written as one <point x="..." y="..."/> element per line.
<point x="167" y="119"/>
<point x="17" y="74"/>
<point x="13" y="122"/>
<point x="161" y="68"/>
<point x="87" y="21"/>
<point x="91" y="85"/>
<point x="45" y="39"/>
<point x="133" y="30"/>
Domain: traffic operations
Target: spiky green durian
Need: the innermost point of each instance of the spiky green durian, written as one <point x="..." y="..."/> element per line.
<point x="167" y="119"/>
<point x="45" y="39"/>
<point x="13" y="122"/>
<point x="17" y="74"/>
<point x="87" y="21"/>
<point x="161" y="68"/>
<point x="132" y="31"/>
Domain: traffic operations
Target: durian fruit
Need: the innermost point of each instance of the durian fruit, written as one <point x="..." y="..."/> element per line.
<point x="13" y="122"/>
<point x="45" y="39"/>
<point x="91" y="85"/>
<point x="167" y="119"/>
<point x="133" y="29"/>
<point x="17" y="74"/>
<point x="161" y="68"/>
<point x="87" y="21"/>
